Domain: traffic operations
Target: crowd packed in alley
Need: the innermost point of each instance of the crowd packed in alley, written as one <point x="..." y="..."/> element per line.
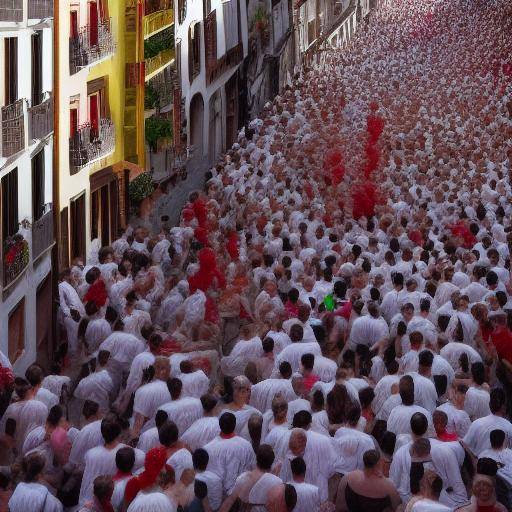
<point x="330" y="325"/>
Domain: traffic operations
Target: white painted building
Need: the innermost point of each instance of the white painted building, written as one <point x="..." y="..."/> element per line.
<point x="26" y="180"/>
<point x="211" y="44"/>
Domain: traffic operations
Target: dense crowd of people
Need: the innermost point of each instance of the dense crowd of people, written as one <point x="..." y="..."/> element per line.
<point x="330" y="325"/>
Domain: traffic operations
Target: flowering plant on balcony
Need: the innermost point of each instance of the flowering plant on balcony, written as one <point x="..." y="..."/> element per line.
<point x="141" y="187"/>
<point x="16" y="255"/>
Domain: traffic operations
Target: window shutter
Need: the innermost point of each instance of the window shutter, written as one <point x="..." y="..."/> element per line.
<point x="64" y="237"/>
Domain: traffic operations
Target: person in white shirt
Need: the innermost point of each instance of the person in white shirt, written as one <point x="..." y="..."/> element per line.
<point x="425" y="393"/>
<point x="368" y="329"/>
<point x="200" y="459"/>
<point x="204" y="429"/>
<point x="72" y="308"/>
<point x="292" y="353"/>
<point x="125" y="460"/>
<point x="195" y="382"/>
<point x="263" y="392"/>
<point x="150" y="396"/>
<point x="458" y="419"/>
<point x="392" y="301"/>
<point x="308" y="497"/>
<point x="35" y="377"/>
<point x="302" y="320"/>
<point x="478" y="437"/>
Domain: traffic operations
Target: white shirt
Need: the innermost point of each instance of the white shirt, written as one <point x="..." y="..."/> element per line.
<point x="33" y="496"/>
<point x="399" y="421"/>
<point x="308" y="497"/>
<point x="69" y="299"/>
<point x="183" y="412"/>
<point x="150" y="397"/>
<point x="214" y="485"/>
<point x="201" y="432"/>
<point x="478" y="434"/>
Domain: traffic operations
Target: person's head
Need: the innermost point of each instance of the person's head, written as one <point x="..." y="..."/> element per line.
<point x="279" y="408"/>
<point x="265" y="457"/>
<point x="416" y="340"/>
<point x="241" y="390"/>
<point x="406" y="390"/>
<point x="459" y="396"/>
<point x="492" y="279"/>
<point x="200" y="459"/>
<point x="174" y="385"/>
<point x="484" y="481"/>
<point x="497" y="438"/>
<point x="407" y="311"/>
<point x="392" y="367"/>
<point x="155" y="342"/>
<point x="419" y="424"/>
<point x="296" y="333"/>
<point x="373" y="309"/>
<point x="298" y="467"/>
<point x="497" y="401"/>
<point x="478" y="373"/>
<point x="307" y="362"/>
<point x="371" y="460"/>
<point x="293" y="295"/>
<point x="298" y="385"/>
<point x="90" y="410"/>
<point x="55" y="417"/>
<point x="425" y="361"/>
<point x="125" y="459"/>
<point x="268" y="345"/>
<point x="186" y="366"/>
<point x="424" y="307"/>
<point x="92" y="275"/>
<point x="285" y="370"/>
<point x="440" y="420"/>
<point x="32" y="466"/>
<point x="162" y="367"/>
<point x="353" y="415"/>
<point x="420" y="449"/>
<point x="34" y="375"/>
<point x="103" y="487"/>
<point x="110" y="429"/>
<point x="431" y="485"/>
<point x="208" y="402"/>
<point x="168" y="433"/>
<point x="103" y="357"/>
<point x="227" y="423"/>
<point x="398" y="280"/>
<point x="304" y="312"/>
<point x="297" y="442"/>
<point x="366" y="396"/>
<point x="302" y="420"/>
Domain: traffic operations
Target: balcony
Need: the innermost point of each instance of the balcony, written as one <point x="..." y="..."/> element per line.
<point x="90" y="46"/>
<point x="42" y="233"/>
<point x="16" y="257"/>
<point x="11" y="10"/>
<point x="155" y="64"/>
<point x="12" y="129"/>
<point x="157" y="21"/>
<point x="41" y="119"/>
<point x="40" y="9"/>
<point x="86" y="146"/>
<point x="153" y="6"/>
<point x="159" y="90"/>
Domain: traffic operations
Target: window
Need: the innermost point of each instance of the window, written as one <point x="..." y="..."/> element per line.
<point x="77" y="208"/>
<point x="37" y="68"/>
<point x="11" y="69"/>
<point x="93" y="23"/>
<point x="182" y="10"/>
<point x="194" y="50"/>
<point x="38" y="185"/>
<point x="97" y="104"/>
<point x="73" y="121"/>
<point x="10" y="221"/>
<point x="64" y="239"/>
<point x="210" y="40"/>
<point x="16" y="331"/>
<point x="73" y="24"/>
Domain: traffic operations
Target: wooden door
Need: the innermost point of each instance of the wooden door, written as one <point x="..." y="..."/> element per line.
<point x="44" y="315"/>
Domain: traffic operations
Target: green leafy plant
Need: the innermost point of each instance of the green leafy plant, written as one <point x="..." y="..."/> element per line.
<point x="151" y="97"/>
<point x="141" y="187"/>
<point x="158" y="43"/>
<point x="157" y="128"/>
<point x="260" y="19"/>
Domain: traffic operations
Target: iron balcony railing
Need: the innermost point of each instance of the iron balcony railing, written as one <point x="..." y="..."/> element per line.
<point x="12" y="120"/>
<point x="40" y="9"/>
<point x="86" y="146"/>
<point x="11" y="10"/>
<point x="157" y="21"/>
<point x="91" y="45"/>
<point x="159" y="61"/>
<point x="41" y="119"/>
<point x="152" y="6"/>
<point x="42" y="233"/>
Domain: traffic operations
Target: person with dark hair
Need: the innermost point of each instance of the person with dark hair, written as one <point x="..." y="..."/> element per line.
<point x="149" y="438"/>
<point x="71" y="307"/>
<point x="204" y="429"/>
<point x="101" y="460"/>
<point x="125" y="461"/>
<point x="477" y="396"/>
<point x="195" y="383"/>
<point x="366" y="490"/>
<point x="292" y="353"/>
<point x="391" y="301"/>
<point x="213" y="483"/>
<point x="103" y="489"/>
<point x="264" y="392"/>
<point x="368" y="329"/>
<point x="440" y="420"/>
<point x="308" y="497"/>
<point x="230" y="455"/>
<point x="458" y="419"/>
<point x="425" y="394"/>
<point x="478" y="437"/>
<point x="151" y="396"/>
<point x="382" y="389"/>
<point x="97" y="386"/>
<point x="31" y="493"/>
<point x="263" y="366"/>
<point x="399" y="421"/>
<point x="431" y="486"/>
<point x="22" y="415"/>
<point x="183" y="410"/>
<point x="252" y="487"/>
<point x="35" y="377"/>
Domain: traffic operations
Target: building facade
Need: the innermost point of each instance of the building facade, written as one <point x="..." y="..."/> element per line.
<point x="26" y="180"/>
<point x="99" y="124"/>
<point x="211" y="44"/>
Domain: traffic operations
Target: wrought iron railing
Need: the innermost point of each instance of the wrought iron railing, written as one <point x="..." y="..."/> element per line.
<point x="163" y="85"/>
<point x="91" y="45"/>
<point x="16" y="258"/>
<point x="42" y="233"/>
<point x="11" y="10"/>
<point x="157" y="21"/>
<point x="159" y="61"/>
<point x="40" y="9"/>
<point x="86" y="146"/>
<point x="41" y="119"/>
<point x="12" y="128"/>
<point x="152" y="6"/>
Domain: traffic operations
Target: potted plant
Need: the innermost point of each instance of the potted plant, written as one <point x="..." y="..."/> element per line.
<point x="260" y="23"/>
<point x="16" y="256"/>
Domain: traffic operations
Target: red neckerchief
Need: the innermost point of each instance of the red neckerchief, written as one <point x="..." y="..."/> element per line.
<point x="227" y="436"/>
<point x="120" y="475"/>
